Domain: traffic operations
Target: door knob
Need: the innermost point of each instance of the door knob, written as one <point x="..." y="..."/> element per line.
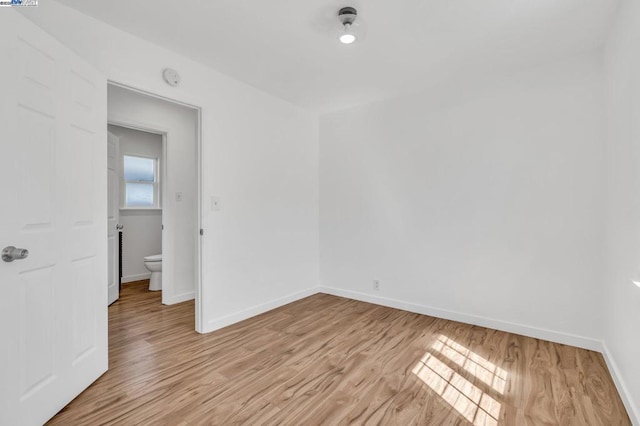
<point x="119" y="227"/>
<point x="10" y="253"/>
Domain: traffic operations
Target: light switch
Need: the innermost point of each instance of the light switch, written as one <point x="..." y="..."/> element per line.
<point x="215" y="204"/>
<point x="178" y="196"/>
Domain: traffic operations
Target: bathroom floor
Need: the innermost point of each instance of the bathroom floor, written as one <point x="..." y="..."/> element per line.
<point x="326" y="359"/>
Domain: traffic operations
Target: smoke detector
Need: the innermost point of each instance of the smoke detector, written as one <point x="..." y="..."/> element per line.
<point x="171" y="77"/>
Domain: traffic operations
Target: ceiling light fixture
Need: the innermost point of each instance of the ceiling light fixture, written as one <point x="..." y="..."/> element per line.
<point x="347" y="16"/>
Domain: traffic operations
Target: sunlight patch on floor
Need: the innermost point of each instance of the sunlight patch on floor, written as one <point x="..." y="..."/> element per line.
<point x="484" y="370"/>
<point x="469" y="400"/>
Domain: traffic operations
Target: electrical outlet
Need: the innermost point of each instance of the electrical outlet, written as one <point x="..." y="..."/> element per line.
<point x="376" y="285"/>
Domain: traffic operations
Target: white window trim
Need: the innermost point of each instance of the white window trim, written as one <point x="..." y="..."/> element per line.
<point x="157" y="193"/>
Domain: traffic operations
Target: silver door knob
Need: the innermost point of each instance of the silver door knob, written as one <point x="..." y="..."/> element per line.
<point x="119" y="227"/>
<point x="10" y="253"/>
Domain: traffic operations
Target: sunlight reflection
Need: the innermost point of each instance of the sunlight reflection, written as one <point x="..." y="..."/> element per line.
<point x="484" y="370"/>
<point x="468" y="400"/>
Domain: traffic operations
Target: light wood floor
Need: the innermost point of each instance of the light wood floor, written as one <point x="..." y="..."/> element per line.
<point x="330" y="360"/>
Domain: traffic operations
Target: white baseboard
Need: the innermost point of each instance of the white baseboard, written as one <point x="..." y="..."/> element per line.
<point x="138" y="277"/>
<point x="509" y="327"/>
<point x="538" y="333"/>
<point x="630" y="404"/>
<point x="172" y="300"/>
<point x="218" y="323"/>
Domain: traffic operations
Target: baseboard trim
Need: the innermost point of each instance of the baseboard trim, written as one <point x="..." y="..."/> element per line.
<point x="138" y="277"/>
<point x="510" y="327"/>
<point x="218" y="323"/>
<point x="178" y="298"/>
<point x="633" y="410"/>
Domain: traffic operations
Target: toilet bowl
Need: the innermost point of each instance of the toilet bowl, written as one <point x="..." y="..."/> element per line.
<point x="154" y="265"/>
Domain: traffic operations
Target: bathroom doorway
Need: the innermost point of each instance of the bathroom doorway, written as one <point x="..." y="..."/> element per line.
<point x="159" y="191"/>
<point x="136" y="188"/>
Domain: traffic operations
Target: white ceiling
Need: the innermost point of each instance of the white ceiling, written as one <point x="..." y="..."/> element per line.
<point x="289" y="48"/>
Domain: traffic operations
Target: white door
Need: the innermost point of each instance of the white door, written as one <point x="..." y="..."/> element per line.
<point x="113" y="218"/>
<point x="53" y="304"/>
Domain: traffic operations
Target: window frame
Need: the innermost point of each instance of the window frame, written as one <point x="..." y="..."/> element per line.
<point x="157" y="201"/>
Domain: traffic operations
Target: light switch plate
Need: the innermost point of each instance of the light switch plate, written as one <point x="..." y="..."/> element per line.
<point x="178" y="196"/>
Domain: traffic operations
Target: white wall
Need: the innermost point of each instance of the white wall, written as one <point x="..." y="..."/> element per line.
<point x="142" y="235"/>
<point x="179" y="245"/>
<point x="259" y="155"/>
<point x="621" y="297"/>
<point x="485" y="209"/>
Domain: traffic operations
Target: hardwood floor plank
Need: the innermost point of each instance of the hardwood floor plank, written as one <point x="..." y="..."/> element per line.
<point x="331" y="360"/>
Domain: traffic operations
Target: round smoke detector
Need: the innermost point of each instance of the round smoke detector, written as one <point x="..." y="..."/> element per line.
<point x="171" y="77"/>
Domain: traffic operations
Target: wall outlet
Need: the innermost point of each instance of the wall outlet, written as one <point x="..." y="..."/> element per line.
<point x="376" y="285"/>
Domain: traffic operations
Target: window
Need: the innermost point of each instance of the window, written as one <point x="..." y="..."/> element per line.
<point x="140" y="182"/>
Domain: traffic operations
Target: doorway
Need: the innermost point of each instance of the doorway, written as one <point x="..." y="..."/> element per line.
<point x="170" y="195"/>
<point x="135" y="164"/>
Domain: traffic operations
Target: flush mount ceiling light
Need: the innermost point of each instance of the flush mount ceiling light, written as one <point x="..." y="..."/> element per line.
<point x="347" y="16"/>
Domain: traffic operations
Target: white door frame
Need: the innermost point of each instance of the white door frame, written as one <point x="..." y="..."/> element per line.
<point x="152" y="128"/>
<point x="113" y="221"/>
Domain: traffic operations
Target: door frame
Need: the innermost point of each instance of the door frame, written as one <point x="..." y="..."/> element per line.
<point x="110" y="227"/>
<point x="164" y="132"/>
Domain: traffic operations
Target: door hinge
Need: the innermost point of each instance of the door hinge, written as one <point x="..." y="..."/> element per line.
<point x="201" y="231"/>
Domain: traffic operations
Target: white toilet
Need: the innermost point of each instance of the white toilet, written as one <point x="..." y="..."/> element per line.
<point x="154" y="265"/>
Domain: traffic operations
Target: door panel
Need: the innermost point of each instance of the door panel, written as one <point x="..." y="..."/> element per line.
<point x="37" y="169"/>
<point x="36" y="330"/>
<point x="53" y="315"/>
<point x="84" y="316"/>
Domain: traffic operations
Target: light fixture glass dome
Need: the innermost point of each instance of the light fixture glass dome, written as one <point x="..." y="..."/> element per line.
<point x="347" y="38"/>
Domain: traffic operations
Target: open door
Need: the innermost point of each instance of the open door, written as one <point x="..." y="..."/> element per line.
<point x="113" y="217"/>
<point x="53" y="304"/>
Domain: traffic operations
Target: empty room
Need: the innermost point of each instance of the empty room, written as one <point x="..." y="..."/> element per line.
<point x="419" y="212"/>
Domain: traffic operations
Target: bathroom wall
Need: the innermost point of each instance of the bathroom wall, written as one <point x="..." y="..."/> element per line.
<point x="142" y="235"/>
